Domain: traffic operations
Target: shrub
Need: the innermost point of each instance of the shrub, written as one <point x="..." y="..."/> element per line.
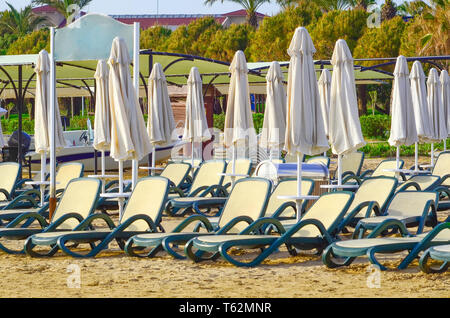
<point x="219" y="121"/>
<point x="375" y="126"/>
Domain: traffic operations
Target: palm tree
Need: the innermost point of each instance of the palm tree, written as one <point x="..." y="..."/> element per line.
<point x="20" y="22"/>
<point x="388" y="10"/>
<point x="412" y="8"/>
<point x="362" y="4"/>
<point x="250" y="6"/>
<point x="330" y="5"/>
<point x="65" y="7"/>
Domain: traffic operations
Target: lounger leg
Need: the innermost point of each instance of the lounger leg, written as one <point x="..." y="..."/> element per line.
<point x="371" y="255"/>
<point x="426" y="267"/>
<point x="328" y="258"/>
<point x="28" y="248"/>
<point x="166" y="245"/>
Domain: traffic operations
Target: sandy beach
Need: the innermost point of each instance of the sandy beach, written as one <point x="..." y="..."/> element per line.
<point x="113" y="274"/>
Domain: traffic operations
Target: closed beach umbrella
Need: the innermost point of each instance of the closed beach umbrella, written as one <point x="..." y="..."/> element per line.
<point x="161" y="124"/>
<point x="274" y="124"/>
<point x="41" y="114"/>
<point x="438" y="121"/>
<point x="195" y="126"/>
<point x="420" y="106"/>
<point x="2" y="141"/>
<point x="403" y="126"/>
<point x="345" y="133"/>
<point x="102" y="127"/>
<point x="445" y="91"/>
<point x="129" y="139"/>
<point x="325" y="96"/>
<point x="305" y="130"/>
<point x="238" y="118"/>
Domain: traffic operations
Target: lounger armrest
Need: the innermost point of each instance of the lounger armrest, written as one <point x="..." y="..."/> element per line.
<point x="283" y="207"/>
<point x="196" y="192"/>
<point x="27" y="216"/>
<point x="443" y="191"/>
<point x="444" y="178"/>
<point x="348" y="173"/>
<point x="262" y="223"/>
<point x="387" y="224"/>
<point x="6" y="193"/>
<point x="22" y="198"/>
<point x="366" y="174"/>
<point x="231" y="224"/>
<point x="372" y="206"/>
<point x="434" y="232"/>
<point x="73" y="215"/>
<point x="87" y="222"/>
<point x="352" y="177"/>
<point x="194" y="218"/>
<point x="137" y="217"/>
<point x="429" y="213"/>
<point x="31" y="192"/>
<point x="21" y="182"/>
<point x="412" y="184"/>
<point x="319" y="225"/>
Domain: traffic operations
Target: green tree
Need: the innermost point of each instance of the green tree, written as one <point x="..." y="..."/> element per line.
<point x="412" y="8"/>
<point x="384" y="41"/>
<point x="31" y="43"/>
<point x="428" y="33"/>
<point x="362" y="4"/>
<point x="227" y="41"/>
<point x="349" y="25"/>
<point x="332" y="5"/>
<point x="155" y="38"/>
<point x="193" y="38"/>
<point x="19" y="22"/>
<point x="250" y="6"/>
<point x="388" y="10"/>
<point x="271" y="40"/>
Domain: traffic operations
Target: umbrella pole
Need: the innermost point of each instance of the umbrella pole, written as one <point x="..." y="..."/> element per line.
<point x="432" y="154"/>
<point x="43" y="170"/>
<point x="233" y="170"/>
<point x="103" y="171"/>
<point x="120" y="187"/>
<point x="339" y="170"/>
<point x="153" y="159"/>
<point x="134" y="171"/>
<point x="299" y="185"/>
<point x="192" y="158"/>
<point x="52" y="188"/>
<point x="416" y="157"/>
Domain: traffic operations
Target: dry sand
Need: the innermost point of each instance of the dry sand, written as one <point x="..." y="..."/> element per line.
<point x="112" y="274"/>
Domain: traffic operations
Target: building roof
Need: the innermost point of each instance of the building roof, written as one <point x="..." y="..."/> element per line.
<point x="241" y="13"/>
<point x="148" y="20"/>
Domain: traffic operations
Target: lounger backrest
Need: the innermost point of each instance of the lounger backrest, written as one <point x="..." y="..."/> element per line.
<point x="425" y="182"/>
<point x="148" y="197"/>
<point x="329" y="209"/>
<point x="208" y="174"/>
<point x="9" y="173"/>
<point x="80" y="196"/>
<point x="67" y="172"/>
<point x="384" y="165"/>
<point x="353" y="162"/>
<point x="176" y="172"/>
<point x="379" y="189"/>
<point x="287" y="187"/>
<point x="410" y="203"/>
<point x="319" y="159"/>
<point x="442" y="166"/>
<point x="249" y="197"/>
<point x="242" y="167"/>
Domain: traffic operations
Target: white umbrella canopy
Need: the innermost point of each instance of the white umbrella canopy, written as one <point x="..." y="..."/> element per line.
<point x="274" y="124"/>
<point x="161" y="124"/>
<point x="436" y="107"/>
<point x="42" y="108"/>
<point x="419" y="101"/>
<point x="345" y="133"/>
<point x="102" y="129"/>
<point x="129" y="139"/>
<point x="238" y="118"/>
<point x="324" y="84"/>
<point x="305" y="130"/>
<point x="403" y="127"/>
<point x="195" y="126"/>
<point x="445" y="91"/>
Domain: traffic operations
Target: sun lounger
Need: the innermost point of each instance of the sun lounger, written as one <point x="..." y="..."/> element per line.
<point x="238" y="212"/>
<point x="9" y="180"/>
<point x="142" y="214"/>
<point x="343" y="253"/>
<point x="315" y="230"/>
<point x="319" y="159"/>
<point x="382" y="169"/>
<point x="372" y="196"/>
<point x="207" y="182"/>
<point x="76" y="203"/>
<point x="411" y="208"/>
